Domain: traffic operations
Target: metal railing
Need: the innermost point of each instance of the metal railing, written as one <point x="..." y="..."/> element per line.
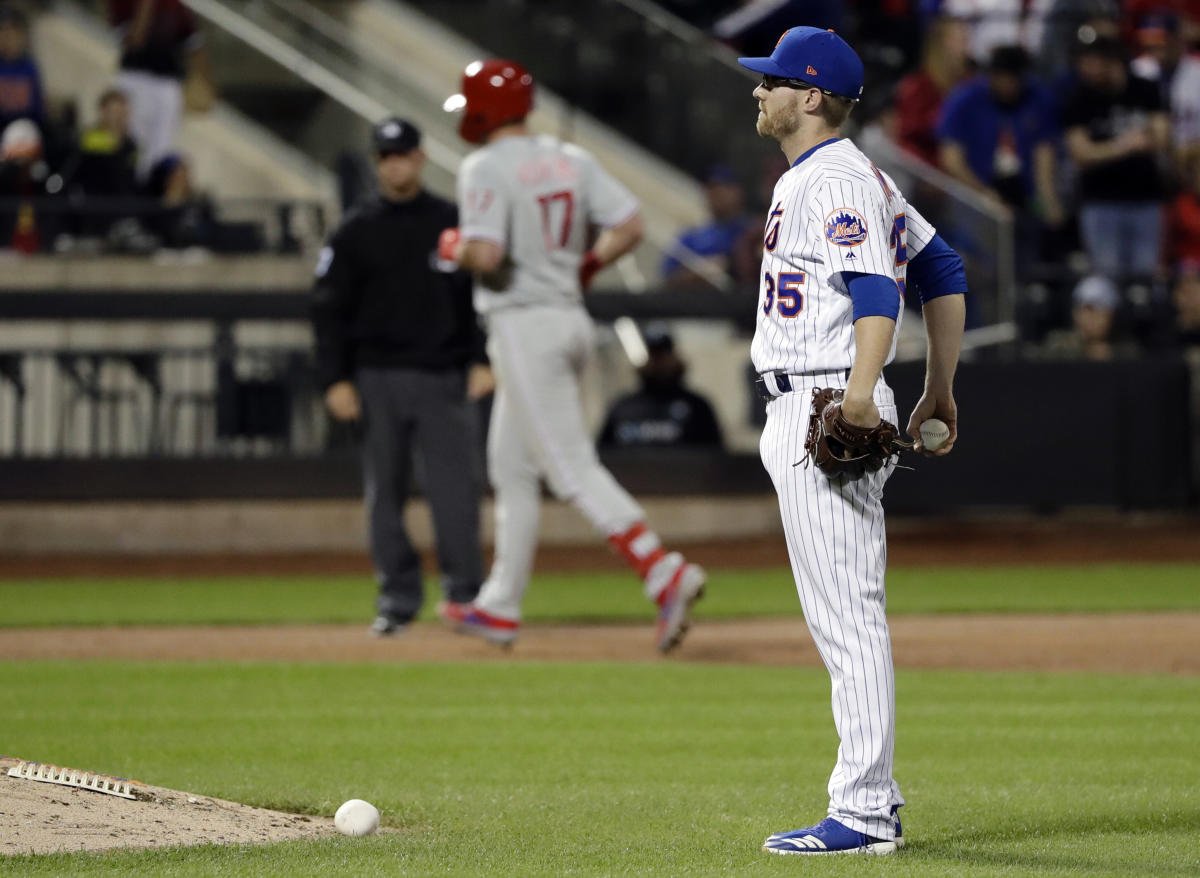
<point x="224" y="398"/>
<point x="216" y="401"/>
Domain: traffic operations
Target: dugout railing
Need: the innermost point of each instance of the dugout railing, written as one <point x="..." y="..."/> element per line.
<point x="232" y="417"/>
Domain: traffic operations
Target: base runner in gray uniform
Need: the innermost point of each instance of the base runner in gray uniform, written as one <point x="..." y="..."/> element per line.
<point x="525" y="207"/>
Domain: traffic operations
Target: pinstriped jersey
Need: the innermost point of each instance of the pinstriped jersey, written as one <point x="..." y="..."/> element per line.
<point x="832" y="212"/>
<point x="536" y="196"/>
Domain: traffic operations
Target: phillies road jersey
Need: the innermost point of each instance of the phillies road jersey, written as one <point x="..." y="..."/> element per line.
<point x="832" y="212"/>
<point x="536" y="196"/>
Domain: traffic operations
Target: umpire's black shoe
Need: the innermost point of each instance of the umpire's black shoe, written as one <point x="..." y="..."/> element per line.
<point x="388" y="626"/>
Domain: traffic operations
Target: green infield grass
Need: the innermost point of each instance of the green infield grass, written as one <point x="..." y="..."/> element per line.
<point x="633" y="769"/>
<point x="611" y="596"/>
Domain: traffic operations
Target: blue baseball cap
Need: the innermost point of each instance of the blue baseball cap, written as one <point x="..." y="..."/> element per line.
<point x="818" y="57"/>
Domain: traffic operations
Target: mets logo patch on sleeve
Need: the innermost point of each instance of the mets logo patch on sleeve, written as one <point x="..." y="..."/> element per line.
<point x="846" y="227"/>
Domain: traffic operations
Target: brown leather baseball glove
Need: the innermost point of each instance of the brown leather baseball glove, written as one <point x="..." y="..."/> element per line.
<point x="840" y="448"/>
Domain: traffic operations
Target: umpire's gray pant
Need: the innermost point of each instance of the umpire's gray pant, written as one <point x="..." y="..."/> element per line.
<point x="399" y="406"/>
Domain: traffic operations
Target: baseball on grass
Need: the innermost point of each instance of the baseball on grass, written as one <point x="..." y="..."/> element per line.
<point x="356" y="818"/>
<point x="934" y="434"/>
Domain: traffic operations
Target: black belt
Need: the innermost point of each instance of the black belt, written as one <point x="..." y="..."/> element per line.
<point x="783" y="381"/>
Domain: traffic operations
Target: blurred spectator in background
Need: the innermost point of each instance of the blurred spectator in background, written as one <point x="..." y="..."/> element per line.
<point x="104" y="166"/>
<point x="1094" y="307"/>
<point x="1164" y="60"/>
<point x="22" y="180"/>
<point x="180" y="216"/>
<point x="1133" y="11"/>
<point x="1186" y="299"/>
<point x="999" y="135"/>
<point x="1116" y="126"/>
<point x="1069" y="21"/>
<point x="1065" y="80"/>
<point x="105" y="163"/>
<point x="1183" y="218"/>
<point x="919" y="95"/>
<point x="161" y="50"/>
<point x="663" y="412"/>
<point x="727" y="242"/>
<point x="184" y="218"/>
<point x="996" y="23"/>
<point x="20" y="81"/>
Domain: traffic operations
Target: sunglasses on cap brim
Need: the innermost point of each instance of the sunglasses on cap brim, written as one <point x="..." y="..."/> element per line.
<point x="770" y="83"/>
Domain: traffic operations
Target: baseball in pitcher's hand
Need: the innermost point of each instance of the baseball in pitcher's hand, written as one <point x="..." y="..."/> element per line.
<point x="940" y="406"/>
<point x="480" y="381"/>
<point x="342" y="401"/>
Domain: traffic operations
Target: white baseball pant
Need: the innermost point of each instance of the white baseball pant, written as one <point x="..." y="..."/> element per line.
<point x="838" y="551"/>
<point x="539" y="354"/>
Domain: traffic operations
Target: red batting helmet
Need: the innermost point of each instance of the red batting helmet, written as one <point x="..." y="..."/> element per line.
<point x="494" y="92"/>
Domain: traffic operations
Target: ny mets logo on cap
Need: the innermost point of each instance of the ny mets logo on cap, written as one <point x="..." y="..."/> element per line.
<point x="846" y="227"/>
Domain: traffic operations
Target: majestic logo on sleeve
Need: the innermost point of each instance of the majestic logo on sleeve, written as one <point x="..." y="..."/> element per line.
<point x="846" y="227"/>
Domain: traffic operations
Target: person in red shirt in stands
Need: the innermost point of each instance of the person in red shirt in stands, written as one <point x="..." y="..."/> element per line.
<point x="919" y="95"/>
<point x="1183" y="218"/>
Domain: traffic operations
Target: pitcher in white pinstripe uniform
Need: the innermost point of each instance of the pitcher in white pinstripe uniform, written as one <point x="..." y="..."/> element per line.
<point x="840" y="243"/>
<point x="525" y="204"/>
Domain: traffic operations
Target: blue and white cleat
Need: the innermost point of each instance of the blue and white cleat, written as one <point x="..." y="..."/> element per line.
<point x="827" y="837"/>
<point x="899" y="830"/>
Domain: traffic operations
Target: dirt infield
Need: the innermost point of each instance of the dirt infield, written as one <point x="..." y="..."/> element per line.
<point x="1090" y="539"/>
<point x="1131" y="642"/>
<point x="1140" y="642"/>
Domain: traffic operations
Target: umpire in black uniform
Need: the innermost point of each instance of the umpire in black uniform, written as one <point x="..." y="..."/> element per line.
<point x="399" y="349"/>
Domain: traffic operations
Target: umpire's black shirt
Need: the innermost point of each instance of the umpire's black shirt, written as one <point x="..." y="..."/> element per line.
<point x="380" y="298"/>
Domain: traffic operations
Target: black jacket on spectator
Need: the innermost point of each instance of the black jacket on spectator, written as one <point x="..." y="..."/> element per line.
<point x="381" y="299"/>
<point x="1107" y="116"/>
<point x="103" y="165"/>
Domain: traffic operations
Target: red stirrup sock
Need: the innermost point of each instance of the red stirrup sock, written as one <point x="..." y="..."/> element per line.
<point x="639" y="546"/>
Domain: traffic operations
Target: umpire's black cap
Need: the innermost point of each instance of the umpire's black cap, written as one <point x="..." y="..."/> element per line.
<point x="395" y="135"/>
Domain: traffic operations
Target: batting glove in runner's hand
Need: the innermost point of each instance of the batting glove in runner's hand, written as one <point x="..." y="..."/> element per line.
<point x="841" y="448"/>
<point x="447" y="248"/>
<point x="588" y="268"/>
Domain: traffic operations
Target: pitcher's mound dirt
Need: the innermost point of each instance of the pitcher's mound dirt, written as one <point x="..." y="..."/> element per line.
<point x="44" y="818"/>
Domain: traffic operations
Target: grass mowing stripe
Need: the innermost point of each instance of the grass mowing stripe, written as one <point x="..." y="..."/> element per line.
<point x="654" y="769"/>
<point x="593" y="596"/>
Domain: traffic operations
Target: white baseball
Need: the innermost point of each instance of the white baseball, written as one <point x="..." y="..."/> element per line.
<point x="934" y="434"/>
<point x="356" y="818"/>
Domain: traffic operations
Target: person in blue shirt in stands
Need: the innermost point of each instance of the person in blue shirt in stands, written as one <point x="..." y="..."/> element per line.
<point x="999" y="134"/>
<point x="725" y="241"/>
<point x="20" y="81"/>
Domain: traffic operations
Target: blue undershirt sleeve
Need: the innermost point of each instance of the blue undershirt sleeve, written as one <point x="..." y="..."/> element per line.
<point x="937" y="271"/>
<point x="873" y="295"/>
